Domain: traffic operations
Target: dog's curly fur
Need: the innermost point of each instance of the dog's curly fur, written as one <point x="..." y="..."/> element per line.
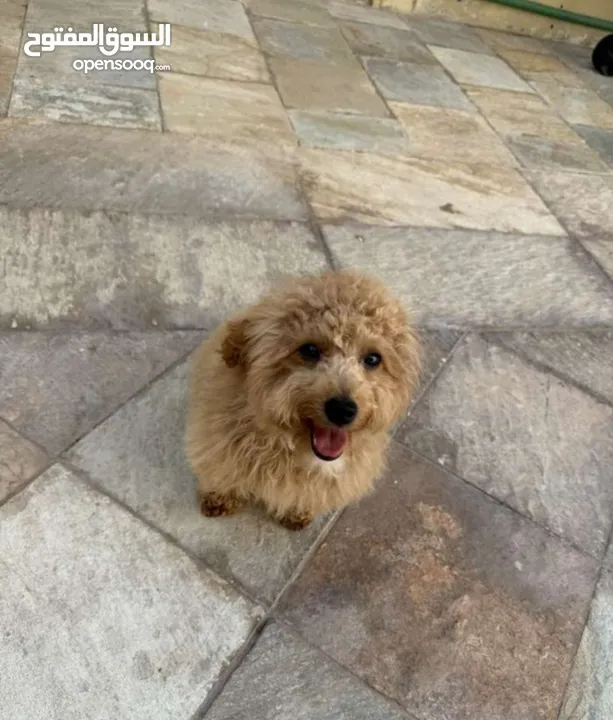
<point x="254" y="398"/>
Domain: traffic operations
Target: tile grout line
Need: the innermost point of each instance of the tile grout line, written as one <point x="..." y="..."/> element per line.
<point x="156" y="74"/>
<point x="19" y="51"/>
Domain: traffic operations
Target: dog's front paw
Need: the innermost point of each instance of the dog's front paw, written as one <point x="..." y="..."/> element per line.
<point x="216" y="505"/>
<point x="295" y="521"/>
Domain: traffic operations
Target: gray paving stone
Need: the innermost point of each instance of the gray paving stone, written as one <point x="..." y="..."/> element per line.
<point x="461" y="278"/>
<point x="590" y="690"/>
<point x="418" y="84"/>
<point x="20" y="460"/>
<point x="296" y="11"/>
<point x="390" y="43"/>
<point x="581" y="202"/>
<point x="285" y="678"/>
<point x="55" y="388"/>
<point x="93" y="168"/>
<point x="349" y="132"/>
<point x="540" y="153"/>
<point x="144" y="442"/>
<point x="353" y="11"/>
<point x="97" y="105"/>
<point x="470" y="68"/>
<point x="218" y="16"/>
<point x="447" y="34"/>
<point x="167" y="271"/>
<point x="126" y="15"/>
<point x="436" y="348"/>
<point x="101" y="616"/>
<point x="523" y="436"/>
<point x="602" y="250"/>
<point x="600" y="140"/>
<point x="584" y="358"/>
<point x="444" y="600"/>
<point x="303" y="42"/>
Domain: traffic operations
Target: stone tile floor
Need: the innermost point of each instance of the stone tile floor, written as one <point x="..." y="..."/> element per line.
<point x="473" y="170"/>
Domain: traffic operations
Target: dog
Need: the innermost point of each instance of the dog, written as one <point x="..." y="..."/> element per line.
<point x="292" y="400"/>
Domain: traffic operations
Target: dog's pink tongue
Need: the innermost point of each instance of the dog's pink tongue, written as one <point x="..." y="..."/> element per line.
<point x="328" y="442"/>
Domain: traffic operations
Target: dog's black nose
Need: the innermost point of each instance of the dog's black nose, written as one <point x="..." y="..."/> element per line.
<point x="340" y="410"/>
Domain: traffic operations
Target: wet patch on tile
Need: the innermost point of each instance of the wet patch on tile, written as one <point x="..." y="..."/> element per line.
<point x="430" y="580"/>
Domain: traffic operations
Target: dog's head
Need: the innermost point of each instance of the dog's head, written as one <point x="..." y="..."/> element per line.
<point x="325" y="360"/>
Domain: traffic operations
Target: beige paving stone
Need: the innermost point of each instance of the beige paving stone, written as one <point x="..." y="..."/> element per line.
<point x="409" y="191"/>
<point x="454" y="135"/>
<point x="469" y="68"/>
<point x="219" y="16"/>
<point x="392" y="43"/>
<point x="307" y="85"/>
<point x="531" y="62"/>
<point x="509" y="41"/>
<point x="102" y="617"/>
<point x="8" y="63"/>
<point x="213" y="54"/>
<point x="226" y="111"/>
<point x="516" y="114"/>
<point x="578" y="106"/>
<point x="20" y="460"/>
<point x="352" y="11"/>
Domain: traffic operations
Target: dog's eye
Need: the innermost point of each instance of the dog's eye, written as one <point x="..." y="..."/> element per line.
<point x="309" y="352"/>
<point x="371" y="360"/>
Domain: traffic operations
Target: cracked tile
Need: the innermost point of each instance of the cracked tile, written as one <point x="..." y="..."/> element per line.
<point x="55" y="388"/>
<point x="20" y="460"/>
<point x="101" y="616"/>
<point x="294" y="680"/>
<point x="523" y="436"/>
<point x="144" y="442"/>
<point x="449" y="603"/>
<point x="461" y="278"/>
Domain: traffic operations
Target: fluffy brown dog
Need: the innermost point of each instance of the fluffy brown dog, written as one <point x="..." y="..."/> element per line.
<point x="292" y="400"/>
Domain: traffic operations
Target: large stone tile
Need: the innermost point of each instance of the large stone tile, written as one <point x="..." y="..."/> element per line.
<point x="581" y="202"/>
<point x="599" y="140"/>
<point x="219" y="55"/>
<point x="349" y="132"/>
<point x="96" y="104"/>
<point x="225" y="111"/>
<point x="167" y="271"/>
<point x="304" y="42"/>
<point x="138" y="456"/>
<point x="357" y="13"/>
<point x="525" y="437"/>
<point x="125" y="15"/>
<point x="436" y="349"/>
<point x="538" y="153"/>
<point x="434" y="31"/>
<point x="515" y="114"/>
<point x="55" y="388"/>
<point x="578" y="106"/>
<point x="453" y="135"/>
<point x="460" y="278"/>
<point x="602" y="250"/>
<point x="20" y="460"/>
<point x="535" y="65"/>
<point x="448" y="602"/>
<point x="382" y="190"/>
<point x="101" y="616"/>
<point x="89" y="168"/>
<point x="283" y="677"/>
<point x="306" y="13"/>
<point x="218" y="16"/>
<point x="590" y="690"/>
<point x="470" y="68"/>
<point x="508" y="41"/>
<point x="391" y="43"/>
<point x="310" y="86"/>
<point x="581" y="357"/>
<point x="415" y="83"/>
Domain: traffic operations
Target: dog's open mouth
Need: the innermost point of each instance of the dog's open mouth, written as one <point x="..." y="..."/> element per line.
<point x="328" y="443"/>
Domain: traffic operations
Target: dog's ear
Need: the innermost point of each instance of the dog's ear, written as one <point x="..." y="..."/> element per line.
<point x="234" y="345"/>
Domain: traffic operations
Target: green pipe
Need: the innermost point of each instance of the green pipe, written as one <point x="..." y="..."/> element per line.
<point x="558" y="14"/>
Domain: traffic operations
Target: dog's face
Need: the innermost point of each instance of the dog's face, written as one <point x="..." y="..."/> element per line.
<point x="326" y="360"/>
